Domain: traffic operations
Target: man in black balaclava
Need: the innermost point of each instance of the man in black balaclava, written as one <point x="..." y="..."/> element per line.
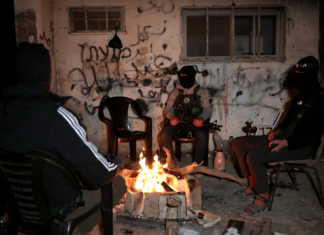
<point x="31" y="117"/>
<point x="189" y="103"/>
<point x="294" y="139"/>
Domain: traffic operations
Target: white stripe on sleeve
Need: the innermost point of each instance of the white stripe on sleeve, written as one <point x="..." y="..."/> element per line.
<point x="74" y="123"/>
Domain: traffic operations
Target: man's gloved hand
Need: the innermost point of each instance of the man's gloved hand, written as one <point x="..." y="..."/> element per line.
<point x="173" y="120"/>
<point x="198" y="121"/>
<point x="273" y="134"/>
<point x="114" y="159"/>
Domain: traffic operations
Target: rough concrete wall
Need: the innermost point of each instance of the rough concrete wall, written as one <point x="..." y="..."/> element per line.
<point x="240" y="91"/>
<point x="34" y="24"/>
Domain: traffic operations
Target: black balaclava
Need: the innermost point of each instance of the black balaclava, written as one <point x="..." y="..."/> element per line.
<point x="33" y="64"/>
<point x="308" y="68"/>
<point x="189" y="80"/>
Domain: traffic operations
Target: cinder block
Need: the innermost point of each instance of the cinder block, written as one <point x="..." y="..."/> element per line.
<point x="194" y="196"/>
<point x="175" y="212"/>
<point x="134" y="202"/>
<point x="151" y="205"/>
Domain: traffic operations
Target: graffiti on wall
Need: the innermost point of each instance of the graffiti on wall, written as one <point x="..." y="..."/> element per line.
<point x="166" y="8"/>
<point x="48" y="40"/>
<point x="148" y="75"/>
<point x="104" y="68"/>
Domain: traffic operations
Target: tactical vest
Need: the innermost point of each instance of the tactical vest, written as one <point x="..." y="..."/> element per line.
<point x="188" y="106"/>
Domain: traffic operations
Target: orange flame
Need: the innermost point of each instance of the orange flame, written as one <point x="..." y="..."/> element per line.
<point x="149" y="180"/>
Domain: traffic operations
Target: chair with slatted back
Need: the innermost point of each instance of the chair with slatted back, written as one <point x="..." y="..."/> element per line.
<point x="119" y="126"/>
<point x="23" y="178"/>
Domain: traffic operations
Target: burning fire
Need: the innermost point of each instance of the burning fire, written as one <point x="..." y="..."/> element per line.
<point x="150" y="180"/>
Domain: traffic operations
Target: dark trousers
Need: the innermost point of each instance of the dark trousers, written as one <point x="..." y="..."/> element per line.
<point x="94" y="197"/>
<point x="201" y="135"/>
<point x="3" y="198"/>
<point x="250" y="154"/>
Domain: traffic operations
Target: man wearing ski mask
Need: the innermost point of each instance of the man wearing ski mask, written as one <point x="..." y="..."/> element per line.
<point x="296" y="138"/>
<point x="32" y="117"/>
<point x="187" y="102"/>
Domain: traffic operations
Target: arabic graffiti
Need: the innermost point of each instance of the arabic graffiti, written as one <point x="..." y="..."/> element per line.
<point x="165" y="8"/>
<point x="143" y="36"/>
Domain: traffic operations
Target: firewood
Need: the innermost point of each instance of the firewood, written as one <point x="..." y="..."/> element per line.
<point x="198" y="168"/>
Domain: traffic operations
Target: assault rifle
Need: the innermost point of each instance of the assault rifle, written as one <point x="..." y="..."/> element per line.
<point x="189" y="127"/>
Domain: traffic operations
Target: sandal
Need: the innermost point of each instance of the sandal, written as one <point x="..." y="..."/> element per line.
<point x="255" y="208"/>
<point x="241" y="192"/>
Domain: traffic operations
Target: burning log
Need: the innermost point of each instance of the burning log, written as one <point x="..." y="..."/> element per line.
<point x="167" y="187"/>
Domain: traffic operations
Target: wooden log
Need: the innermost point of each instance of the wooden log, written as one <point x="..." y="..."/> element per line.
<point x="195" y="168"/>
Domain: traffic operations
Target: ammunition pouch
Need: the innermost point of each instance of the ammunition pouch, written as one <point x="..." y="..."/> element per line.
<point x="187" y="106"/>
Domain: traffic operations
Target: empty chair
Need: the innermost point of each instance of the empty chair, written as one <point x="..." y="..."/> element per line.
<point x="271" y="127"/>
<point x="23" y="178"/>
<point x="119" y="126"/>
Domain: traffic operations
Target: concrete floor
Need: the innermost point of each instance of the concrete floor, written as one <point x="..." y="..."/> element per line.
<point x="293" y="212"/>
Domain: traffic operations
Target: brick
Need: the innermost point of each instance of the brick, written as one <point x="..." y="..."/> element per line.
<point x="134" y="202"/>
<point x="175" y="212"/>
<point x="151" y="205"/>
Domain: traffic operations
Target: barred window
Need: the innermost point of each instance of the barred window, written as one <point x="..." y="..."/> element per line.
<point x="96" y="19"/>
<point x="233" y="33"/>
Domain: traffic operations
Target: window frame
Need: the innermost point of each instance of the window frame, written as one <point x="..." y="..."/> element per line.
<point x="281" y="26"/>
<point x="92" y="31"/>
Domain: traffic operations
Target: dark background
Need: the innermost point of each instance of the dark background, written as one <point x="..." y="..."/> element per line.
<point x="8" y="44"/>
<point x="321" y="44"/>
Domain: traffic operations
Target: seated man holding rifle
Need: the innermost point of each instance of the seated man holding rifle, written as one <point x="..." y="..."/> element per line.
<point x="188" y="104"/>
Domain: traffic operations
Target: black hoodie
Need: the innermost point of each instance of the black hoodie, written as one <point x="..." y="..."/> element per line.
<point x="34" y="118"/>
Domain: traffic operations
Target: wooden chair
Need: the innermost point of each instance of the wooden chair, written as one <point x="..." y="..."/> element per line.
<point x="119" y="126"/>
<point x="23" y="178"/>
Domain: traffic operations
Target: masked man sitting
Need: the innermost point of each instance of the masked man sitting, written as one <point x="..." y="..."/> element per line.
<point x="296" y="138"/>
<point x="32" y="117"/>
<point x="187" y="103"/>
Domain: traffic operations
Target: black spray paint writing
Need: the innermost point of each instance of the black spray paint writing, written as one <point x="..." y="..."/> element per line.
<point x="166" y="9"/>
<point x="48" y="40"/>
<point x="143" y="36"/>
<point x="94" y="55"/>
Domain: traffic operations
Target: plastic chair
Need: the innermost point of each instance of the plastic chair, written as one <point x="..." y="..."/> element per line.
<point x="300" y="164"/>
<point x="264" y="127"/>
<point x="23" y="178"/>
<point x="119" y="126"/>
